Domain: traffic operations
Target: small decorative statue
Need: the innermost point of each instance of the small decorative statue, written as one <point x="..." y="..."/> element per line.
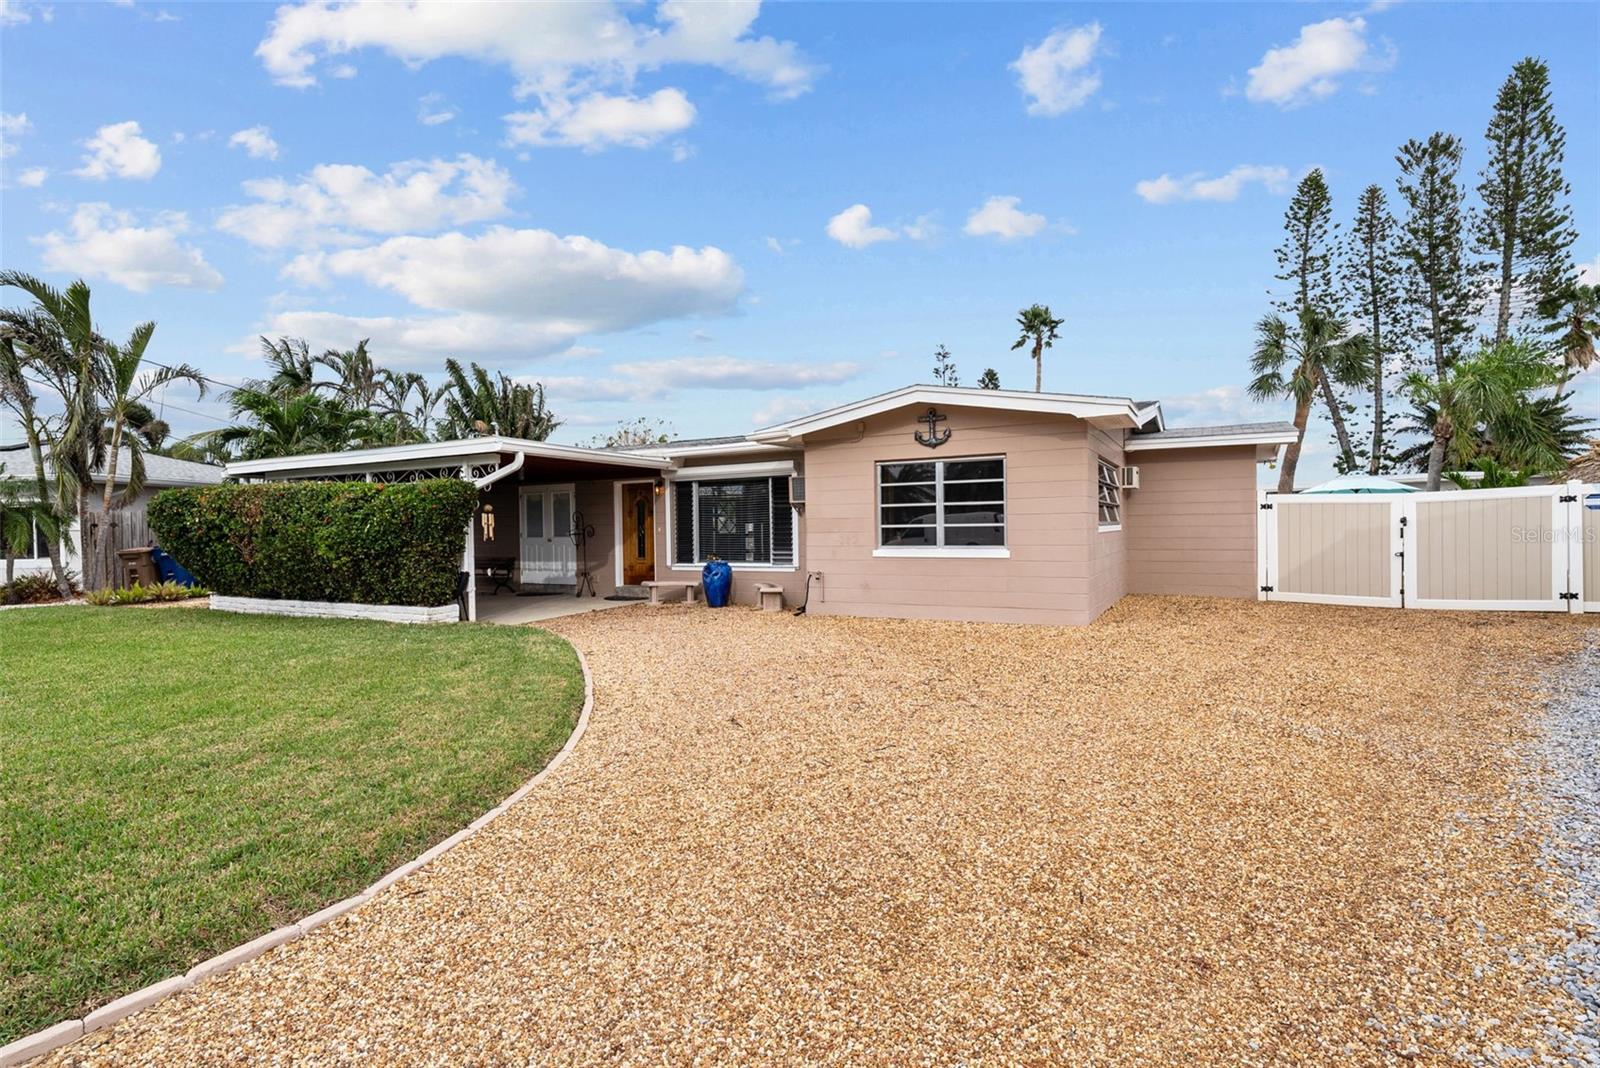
<point x="488" y="522"/>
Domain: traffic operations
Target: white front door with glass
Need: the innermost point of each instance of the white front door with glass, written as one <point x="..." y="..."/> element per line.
<point x="548" y="551"/>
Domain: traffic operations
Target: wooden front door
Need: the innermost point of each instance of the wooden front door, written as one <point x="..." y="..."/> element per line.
<point x="638" y="533"/>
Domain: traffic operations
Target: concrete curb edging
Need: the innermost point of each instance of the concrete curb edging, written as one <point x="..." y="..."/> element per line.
<point x="55" y="1036"/>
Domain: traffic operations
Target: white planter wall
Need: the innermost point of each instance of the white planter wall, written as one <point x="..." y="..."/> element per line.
<point x="389" y="613"/>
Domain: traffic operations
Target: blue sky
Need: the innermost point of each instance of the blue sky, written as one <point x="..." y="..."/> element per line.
<point x="723" y="215"/>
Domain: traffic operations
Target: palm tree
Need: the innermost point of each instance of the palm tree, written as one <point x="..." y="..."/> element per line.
<point x="1039" y="330"/>
<point x="284" y="426"/>
<point x="479" y="405"/>
<point x="1295" y="363"/>
<point x="73" y="371"/>
<point x="20" y="513"/>
<point x="123" y="391"/>
<point x="1482" y="405"/>
<point x="25" y="340"/>
<point x="360" y="378"/>
<point x="294" y="370"/>
<point x="1576" y="311"/>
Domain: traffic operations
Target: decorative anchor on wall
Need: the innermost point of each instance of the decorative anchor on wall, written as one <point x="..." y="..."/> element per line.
<point x="934" y="437"/>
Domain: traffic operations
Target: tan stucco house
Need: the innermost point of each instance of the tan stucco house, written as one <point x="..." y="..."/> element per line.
<point x="925" y="502"/>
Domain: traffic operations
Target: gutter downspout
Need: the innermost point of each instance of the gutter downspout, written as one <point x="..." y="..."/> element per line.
<point x="468" y="556"/>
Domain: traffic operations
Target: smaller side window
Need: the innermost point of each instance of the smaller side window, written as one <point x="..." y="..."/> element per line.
<point x="1110" y="490"/>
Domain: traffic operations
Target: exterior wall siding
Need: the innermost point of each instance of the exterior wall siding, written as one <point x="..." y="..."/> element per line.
<point x="1191" y="525"/>
<point x="1058" y="572"/>
<point x="745" y="578"/>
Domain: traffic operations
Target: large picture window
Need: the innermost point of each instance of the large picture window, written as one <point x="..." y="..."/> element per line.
<point x="742" y="521"/>
<point x="938" y="504"/>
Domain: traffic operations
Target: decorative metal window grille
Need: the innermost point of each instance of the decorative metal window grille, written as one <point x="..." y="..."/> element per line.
<point x="1110" y="492"/>
<point x="742" y="521"/>
<point x="942" y="503"/>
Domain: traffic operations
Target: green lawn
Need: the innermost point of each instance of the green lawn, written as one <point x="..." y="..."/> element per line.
<point x="176" y="781"/>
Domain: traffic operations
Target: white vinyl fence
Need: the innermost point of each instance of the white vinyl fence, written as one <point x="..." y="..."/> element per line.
<point x="1531" y="549"/>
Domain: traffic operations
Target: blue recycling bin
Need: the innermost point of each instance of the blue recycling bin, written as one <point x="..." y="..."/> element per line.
<point x="717" y="580"/>
<point x="170" y="570"/>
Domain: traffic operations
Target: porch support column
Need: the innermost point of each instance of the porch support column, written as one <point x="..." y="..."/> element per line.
<point x="468" y="556"/>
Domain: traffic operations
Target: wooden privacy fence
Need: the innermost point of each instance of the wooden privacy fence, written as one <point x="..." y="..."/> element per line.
<point x="130" y="529"/>
<point x="1531" y="549"/>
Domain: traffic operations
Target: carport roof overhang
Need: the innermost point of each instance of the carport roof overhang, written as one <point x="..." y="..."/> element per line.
<point x="466" y="452"/>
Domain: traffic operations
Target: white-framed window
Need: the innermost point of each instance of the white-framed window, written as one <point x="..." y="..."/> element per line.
<point x="954" y="504"/>
<point x="1109" y="477"/>
<point x="745" y="521"/>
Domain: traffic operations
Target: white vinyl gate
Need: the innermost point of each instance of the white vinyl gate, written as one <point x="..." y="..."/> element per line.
<point x="1519" y="549"/>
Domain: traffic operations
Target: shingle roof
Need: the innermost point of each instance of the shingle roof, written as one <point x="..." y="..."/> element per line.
<point x="1226" y="430"/>
<point x="680" y="443"/>
<point x="158" y="470"/>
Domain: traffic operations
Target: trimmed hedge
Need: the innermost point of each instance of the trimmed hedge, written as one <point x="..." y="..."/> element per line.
<point x="349" y="542"/>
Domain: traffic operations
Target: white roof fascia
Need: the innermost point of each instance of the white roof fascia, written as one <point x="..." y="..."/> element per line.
<point x="1112" y="411"/>
<point x="464" y="451"/>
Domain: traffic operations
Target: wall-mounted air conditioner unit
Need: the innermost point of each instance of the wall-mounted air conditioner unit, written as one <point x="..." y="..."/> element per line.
<point x="1130" y="478"/>
<point x="797" y="490"/>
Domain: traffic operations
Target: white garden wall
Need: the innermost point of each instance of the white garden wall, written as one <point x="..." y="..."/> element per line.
<point x="389" y="613"/>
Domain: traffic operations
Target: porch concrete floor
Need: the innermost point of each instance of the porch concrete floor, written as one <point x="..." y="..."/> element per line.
<point x="514" y="610"/>
<point x="1196" y="832"/>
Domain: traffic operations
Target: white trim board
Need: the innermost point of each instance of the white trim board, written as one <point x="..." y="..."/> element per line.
<point x="447" y="453"/>
<point x="1110" y="411"/>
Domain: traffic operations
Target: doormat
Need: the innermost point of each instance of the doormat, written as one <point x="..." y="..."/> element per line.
<point x="625" y="597"/>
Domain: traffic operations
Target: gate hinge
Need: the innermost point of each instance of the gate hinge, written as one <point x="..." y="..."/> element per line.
<point x="1267" y="589"/>
<point x="1569" y="597"/>
<point x="1266" y="507"/>
<point x="1567" y="497"/>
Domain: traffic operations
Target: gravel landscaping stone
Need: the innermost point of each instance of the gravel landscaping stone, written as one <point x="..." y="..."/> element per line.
<point x="1196" y="832"/>
<point x="1565" y="758"/>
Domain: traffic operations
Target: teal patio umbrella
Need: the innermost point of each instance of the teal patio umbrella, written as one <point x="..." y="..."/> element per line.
<point x="1359" y="484"/>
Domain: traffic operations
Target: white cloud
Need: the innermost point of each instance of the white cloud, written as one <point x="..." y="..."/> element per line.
<point x="1310" y="68"/>
<point x="335" y="202"/>
<point x="256" y="141"/>
<point x="1055" y="74"/>
<point x="1000" y="217"/>
<point x="16" y="12"/>
<point x="1219" y="405"/>
<point x="537" y="274"/>
<point x="730" y="372"/>
<point x="118" y="150"/>
<point x="33" y="177"/>
<point x="599" y="121"/>
<point x="782" y="409"/>
<point x="11" y="128"/>
<point x="513" y="292"/>
<point x="102" y="243"/>
<point x="853" y="228"/>
<point x="646" y="381"/>
<point x="1167" y="189"/>
<point x="433" y="111"/>
<point x="343" y="71"/>
<point x="1589" y="273"/>
<point x="566" y="56"/>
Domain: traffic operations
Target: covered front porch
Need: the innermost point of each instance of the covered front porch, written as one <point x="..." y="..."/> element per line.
<point x="556" y="526"/>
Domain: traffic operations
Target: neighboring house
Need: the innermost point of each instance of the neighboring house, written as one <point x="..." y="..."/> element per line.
<point x="928" y="501"/>
<point x="160" y="472"/>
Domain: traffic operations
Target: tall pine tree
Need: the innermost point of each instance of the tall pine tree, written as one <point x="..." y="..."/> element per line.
<point x="1525" y="227"/>
<point x="1372" y="280"/>
<point x="1305" y="260"/>
<point x="1440" y="287"/>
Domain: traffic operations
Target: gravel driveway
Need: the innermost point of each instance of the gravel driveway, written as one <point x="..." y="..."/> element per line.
<point x="1196" y="831"/>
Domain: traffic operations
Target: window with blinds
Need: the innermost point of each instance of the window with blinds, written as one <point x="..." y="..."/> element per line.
<point x="942" y="503"/>
<point x="742" y="521"/>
